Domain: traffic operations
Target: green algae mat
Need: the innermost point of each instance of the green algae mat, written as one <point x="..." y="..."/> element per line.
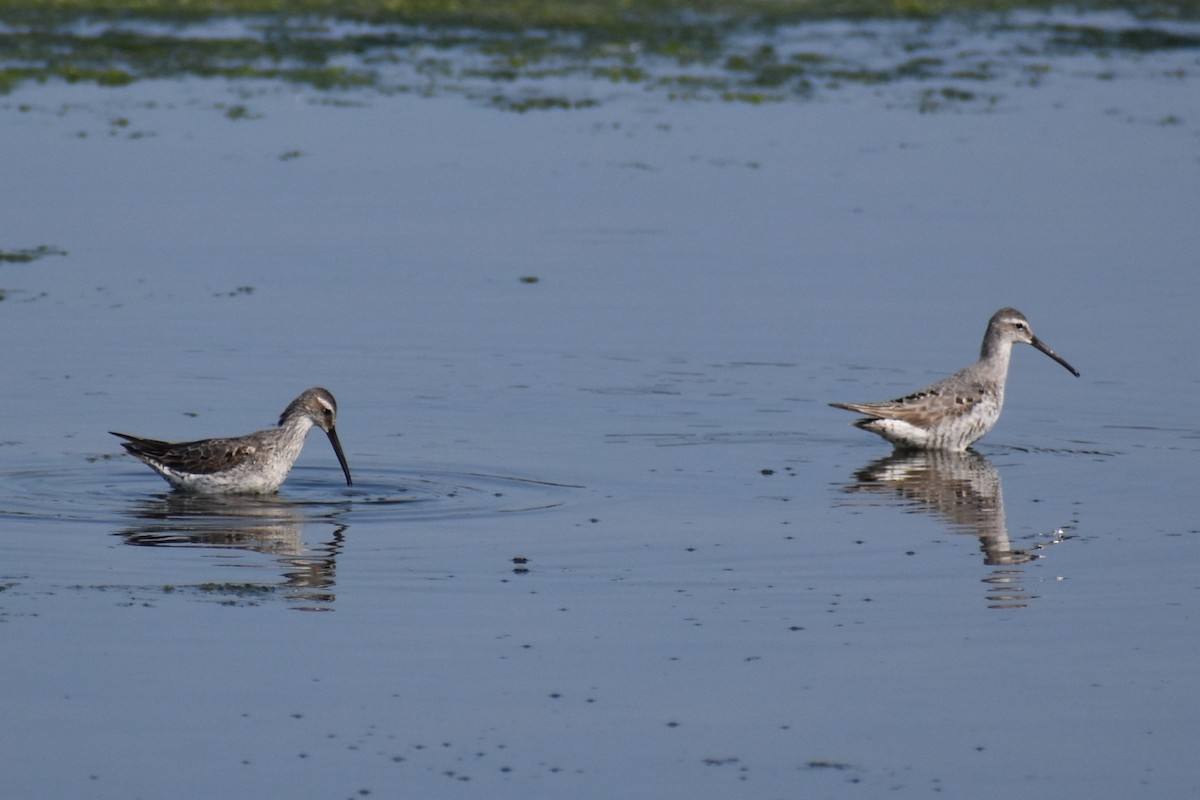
<point x="526" y="55"/>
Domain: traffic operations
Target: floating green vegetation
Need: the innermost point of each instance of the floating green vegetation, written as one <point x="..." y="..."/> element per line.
<point x="573" y="14"/>
<point x="932" y="100"/>
<point x="530" y="55"/>
<point x="237" y="111"/>
<point x="540" y="103"/>
<point x="118" y="57"/>
<point x="235" y="589"/>
<point x="226" y="594"/>
<point x="230" y="594"/>
<point x="1083" y="37"/>
<point x="30" y="254"/>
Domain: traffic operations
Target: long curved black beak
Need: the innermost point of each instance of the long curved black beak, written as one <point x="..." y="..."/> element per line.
<point x="337" y="448"/>
<point x="1040" y="345"/>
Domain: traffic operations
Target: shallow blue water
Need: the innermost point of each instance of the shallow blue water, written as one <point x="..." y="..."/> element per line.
<point x="605" y="537"/>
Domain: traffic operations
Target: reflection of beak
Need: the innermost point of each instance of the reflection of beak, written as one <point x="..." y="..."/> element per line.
<point x="1039" y="344"/>
<point x="337" y="448"/>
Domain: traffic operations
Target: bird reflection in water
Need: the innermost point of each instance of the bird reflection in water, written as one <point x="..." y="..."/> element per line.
<point x="964" y="491"/>
<point x="260" y="524"/>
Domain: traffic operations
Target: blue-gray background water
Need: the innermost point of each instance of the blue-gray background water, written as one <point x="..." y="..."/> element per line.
<point x="606" y="538"/>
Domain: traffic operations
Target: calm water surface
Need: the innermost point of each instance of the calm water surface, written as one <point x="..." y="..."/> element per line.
<point x="606" y="538"/>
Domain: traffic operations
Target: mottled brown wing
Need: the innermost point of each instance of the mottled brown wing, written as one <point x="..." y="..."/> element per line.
<point x="201" y="457"/>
